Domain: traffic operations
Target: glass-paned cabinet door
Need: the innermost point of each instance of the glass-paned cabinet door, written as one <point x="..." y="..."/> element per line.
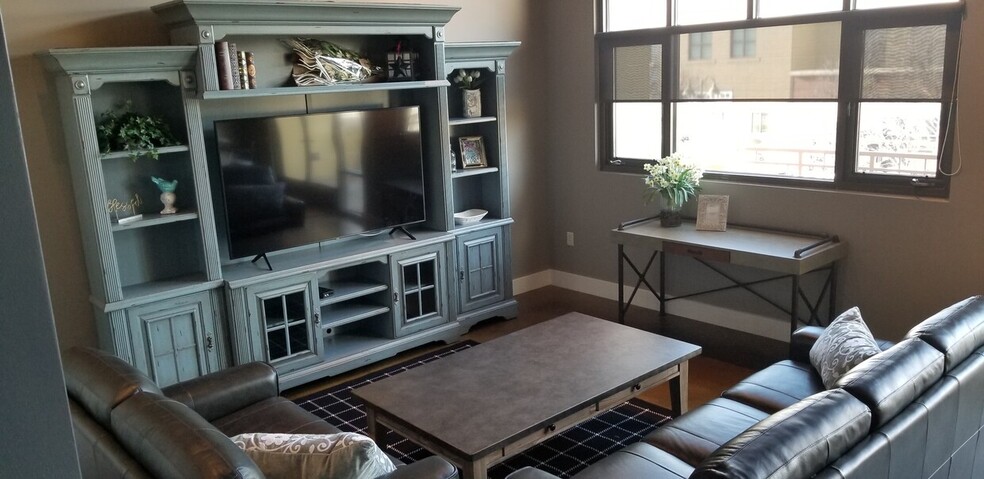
<point x="287" y="321"/>
<point x="419" y="289"/>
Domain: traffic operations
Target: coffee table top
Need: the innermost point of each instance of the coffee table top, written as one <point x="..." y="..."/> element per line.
<point x="476" y="400"/>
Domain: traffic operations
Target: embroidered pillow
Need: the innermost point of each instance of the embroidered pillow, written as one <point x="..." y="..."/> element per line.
<point x="842" y="345"/>
<point x="344" y="455"/>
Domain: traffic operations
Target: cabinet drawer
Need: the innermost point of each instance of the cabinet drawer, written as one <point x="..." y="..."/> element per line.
<point x="700" y="252"/>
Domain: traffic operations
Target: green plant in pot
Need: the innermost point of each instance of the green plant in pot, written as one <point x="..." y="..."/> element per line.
<point x="122" y="129"/>
<point x="674" y="180"/>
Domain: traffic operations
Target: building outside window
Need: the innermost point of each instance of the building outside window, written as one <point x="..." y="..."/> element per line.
<point x="811" y="96"/>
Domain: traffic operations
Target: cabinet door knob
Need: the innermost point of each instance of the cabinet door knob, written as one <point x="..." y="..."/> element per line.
<point x="396" y="298"/>
<point x="317" y="318"/>
<point x="461" y="276"/>
<point x="209" y="342"/>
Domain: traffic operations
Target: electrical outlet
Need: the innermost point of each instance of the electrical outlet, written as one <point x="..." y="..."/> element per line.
<point x="570" y="238"/>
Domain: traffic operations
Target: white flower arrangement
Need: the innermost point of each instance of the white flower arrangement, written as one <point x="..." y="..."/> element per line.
<point x="468" y="80"/>
<point x="674" y="179"/>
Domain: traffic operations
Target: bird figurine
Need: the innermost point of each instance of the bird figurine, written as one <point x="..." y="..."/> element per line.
<point x="167" y="194"/>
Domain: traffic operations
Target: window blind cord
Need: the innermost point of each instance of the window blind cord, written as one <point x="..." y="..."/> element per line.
<point x="952" y="116"/>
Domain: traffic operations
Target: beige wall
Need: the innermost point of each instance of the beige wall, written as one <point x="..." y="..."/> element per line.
<point x="33" y="26"/>
<point x="908" y="257"/>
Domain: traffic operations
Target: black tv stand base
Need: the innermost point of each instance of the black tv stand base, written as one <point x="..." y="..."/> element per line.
<point x="265" y="260"/>
<point x="404" y="231"/>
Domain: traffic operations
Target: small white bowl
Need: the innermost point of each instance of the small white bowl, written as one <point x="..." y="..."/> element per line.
<point x="468" y="217"/>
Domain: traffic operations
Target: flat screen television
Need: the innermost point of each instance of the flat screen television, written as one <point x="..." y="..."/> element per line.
<point x="295" y="180"/>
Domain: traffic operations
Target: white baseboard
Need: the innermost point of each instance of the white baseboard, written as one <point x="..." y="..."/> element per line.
<point x="534" y="281"/>
<point x="765" y="326"/>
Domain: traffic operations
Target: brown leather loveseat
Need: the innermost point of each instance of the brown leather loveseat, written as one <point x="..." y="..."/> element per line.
<point x="127" y="427"/>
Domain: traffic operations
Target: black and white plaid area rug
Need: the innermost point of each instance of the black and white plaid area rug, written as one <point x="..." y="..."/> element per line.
<point x="562" y="455"/>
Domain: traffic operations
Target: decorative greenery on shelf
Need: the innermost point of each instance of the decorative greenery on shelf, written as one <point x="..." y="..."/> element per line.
<point x="674" y="179"/>
<point x="468" y="80"/>
<point x="121" y="129"/>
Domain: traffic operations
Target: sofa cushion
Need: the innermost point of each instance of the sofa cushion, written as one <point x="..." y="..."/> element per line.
<point x="637" y="460"/>
<point x="172" y="441"/>
<point x="796" y="442"/>
<point x="777" y="387"/>
<point x="100" y="454"/>
<point x="845" y="343"/>
<point x="695" y="435"/>
<point x="345" y="455"/>
<point x="273" y="415"/>
<point x="224" y="392"/>
<point x="890" y="381"/>
<point x="99" y="381"/>
<point x="956" y="331"/>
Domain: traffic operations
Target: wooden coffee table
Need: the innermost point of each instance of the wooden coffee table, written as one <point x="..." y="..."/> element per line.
<point x="482" y="405"/>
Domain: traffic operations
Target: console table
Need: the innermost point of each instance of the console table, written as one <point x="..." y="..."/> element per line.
<point x="791" y="255"/>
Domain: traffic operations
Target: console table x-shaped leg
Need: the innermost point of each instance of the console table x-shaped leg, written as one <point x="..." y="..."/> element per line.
<point x="828" y="288"/>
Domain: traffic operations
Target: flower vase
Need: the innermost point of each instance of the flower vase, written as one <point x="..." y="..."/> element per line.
<point x="670" y="216"/>
<point x="471" y="102"/>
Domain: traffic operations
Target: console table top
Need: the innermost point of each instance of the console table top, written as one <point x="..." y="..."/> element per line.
<point x="757" y="248"/>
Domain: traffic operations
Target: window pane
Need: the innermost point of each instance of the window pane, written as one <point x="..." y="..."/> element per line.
<point x="794" y="61"/>
<point x="638" y="72"/>
<point x="743" y="43"/>
<point x="690" y="12"/>
<point x="638" y="130"/>
<point x="794" y="140"/>
<point x="898" y="138"/>
<point x="904" y="63"/>
<point x="861" y="4"/>
<point x="635" y="14"/>
<point x="782" y="8"/>
<point x="699" y="45"/>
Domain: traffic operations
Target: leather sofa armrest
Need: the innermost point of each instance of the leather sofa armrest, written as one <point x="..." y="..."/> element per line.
<point x="433" y="467"/>
<point x="224" y="392"/>
<point x="531" y="473"/>
<point x="803" y="339"/>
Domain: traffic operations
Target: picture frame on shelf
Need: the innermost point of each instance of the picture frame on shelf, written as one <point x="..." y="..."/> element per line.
<point x="472" y="152"/>
<point x="712" y="212"/>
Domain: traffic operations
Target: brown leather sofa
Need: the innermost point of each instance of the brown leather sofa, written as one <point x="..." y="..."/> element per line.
<point x="126" y="427"/>
<point x="913" y="411"/>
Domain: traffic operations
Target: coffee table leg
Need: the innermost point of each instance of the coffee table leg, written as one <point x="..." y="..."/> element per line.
<point x="376" y="431"/>
<point x="475" y="470"/>
<point x="678" y="390"/>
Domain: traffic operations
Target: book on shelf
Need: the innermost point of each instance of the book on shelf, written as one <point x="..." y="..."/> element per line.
<point x="223" y="63"/>
<point x="243" y="75"/>
<point x="251" y="70"/>
<point x="234" y="54"/>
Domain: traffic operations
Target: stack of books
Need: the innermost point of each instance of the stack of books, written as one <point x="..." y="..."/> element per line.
<point x="236" y="68"/>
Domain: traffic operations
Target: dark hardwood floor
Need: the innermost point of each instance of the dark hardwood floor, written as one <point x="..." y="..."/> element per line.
<point x="708" y="376"/>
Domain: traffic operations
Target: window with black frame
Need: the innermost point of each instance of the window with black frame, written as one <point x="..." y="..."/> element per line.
<point x="837" y="94"/>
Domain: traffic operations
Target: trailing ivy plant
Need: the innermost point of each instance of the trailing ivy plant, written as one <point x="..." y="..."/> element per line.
<point x="121" y="129"/>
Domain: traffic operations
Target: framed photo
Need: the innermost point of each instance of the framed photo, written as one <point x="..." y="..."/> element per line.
<point x="712" y="212"/>
<point x="472" y="152"/>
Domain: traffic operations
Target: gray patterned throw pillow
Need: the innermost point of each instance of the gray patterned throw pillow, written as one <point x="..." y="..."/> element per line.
<point x="842" y="345"/>
<point x="343" y="455"/>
